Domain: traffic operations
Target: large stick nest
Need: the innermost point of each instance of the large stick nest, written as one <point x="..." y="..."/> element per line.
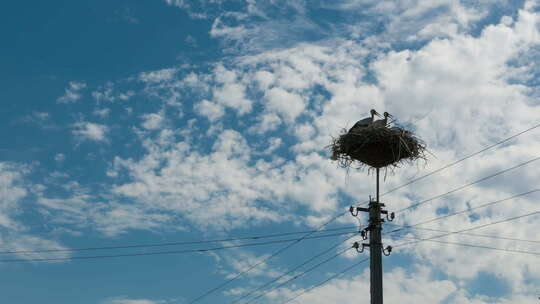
<point x="377" y="147"/>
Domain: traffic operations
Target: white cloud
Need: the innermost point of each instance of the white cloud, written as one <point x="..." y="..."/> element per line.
<point x="15" y="187"/>
<point x="233" y="95"/>
<point x="59" y="157"/>
<point x="105" y="93"/>
<point x="82" y="210"/>
<point x="196" y="9"/>
<point x="400" y="286"/>
<point x="72" y="92"/>
<point x="157" y="76"/>
<point x="219" y="177"/>
<point x="124" y="300"/>
<point x="261" y="25"/>
<point x="42" y="115"/>
<point x="125" y="96"/>
<point x="447" y="71"/>
<point x="417" y="20"/>
<point x="210" y="110"/>
<point x="288" y="105"/>
<point x="459" y="85"/>
<point x="102" y="113"/>
<point x="11" y="191"/>
<point x="90" y="131"/>
<point x="265" y="79"/>
<point x="274" y="144"/>
<point x="153" y="121"/>
<point x="266" y="122"/>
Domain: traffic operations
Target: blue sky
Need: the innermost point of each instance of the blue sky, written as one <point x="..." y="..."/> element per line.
<point x="143" y="122"/>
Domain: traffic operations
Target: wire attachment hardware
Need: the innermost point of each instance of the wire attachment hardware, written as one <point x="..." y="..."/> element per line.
<point x="390" y="217"/>
<point x="363" y="234"/>
<point x="352" y="209"/>
<point x="387" y="251"/>
<point x="356" y="246"/>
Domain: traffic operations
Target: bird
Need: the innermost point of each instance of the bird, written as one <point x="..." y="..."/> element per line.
<point x="364" y="123"/>
<point x="382" y="122"/>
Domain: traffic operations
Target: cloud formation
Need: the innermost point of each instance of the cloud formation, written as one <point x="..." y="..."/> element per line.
<point x="72" y="92"/>
<point x="90" y="131"/>
<point x="241" y="143"/>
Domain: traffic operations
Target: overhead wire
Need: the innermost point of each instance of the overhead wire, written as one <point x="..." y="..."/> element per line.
<point x="455" y="162"/>
<point x="342" y="272"/>
<point x="468" y="210"/>
<point x="477" y="246"/>
<point x="469" y="229"/>
<point x="299" y="275"/>
<point x="496" y="237"/>
<point x="202" y="250"/>
<point x="429" y="240"/>
<point x="292" y="270"/>
<point x="462" y="159"/>
<point x="276" y="253"/>
<point x="256" y="237"/>
<point x="467" y="185"/>
<point x="430" y="174"/>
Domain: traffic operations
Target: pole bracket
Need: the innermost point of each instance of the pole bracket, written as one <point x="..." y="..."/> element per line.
<point x="387" y="251"/>
<point x="356" y="246"/>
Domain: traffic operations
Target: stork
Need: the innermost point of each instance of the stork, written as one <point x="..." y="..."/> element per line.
<point x="382" y="122"/>
<point x="363" y="123"/>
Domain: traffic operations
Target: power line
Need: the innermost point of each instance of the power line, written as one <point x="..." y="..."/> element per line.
<point x="469" y="229"/>
<point x="325" y="281"/>
<point x="476" y="246"/>
<point x="462" y="159"/>
<point x="241" y="273"/>
<point x="456" y="162"/>
<point x="465" y="211"/>
<point x="496" y="237"/>
<point x="169" y="252"/>
<point x="468" y="185"/>
<point x="292" y="270"/>
<point x="299" y="275"/>
<point x="174" y="243"/>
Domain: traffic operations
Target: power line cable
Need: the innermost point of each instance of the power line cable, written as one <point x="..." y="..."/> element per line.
<point x="468" y="185"/>
<point x="496" y="237"/>
<point x="276" y="253"/>
<point x="476" y="246"/>
<point x="174" y="243"/>
<point x="455" y="162"/>
<point x="420" y="178"/>
<point x="469" y="229"/>
<point x="292" y="270"/>
<point x="170" y="252"/>
<point x="342" y="272"/>
<point x="462" y="159"/>
<point x="464" y="211"/>
<point x="299" y="275"/>
<point x="367" y="259"/>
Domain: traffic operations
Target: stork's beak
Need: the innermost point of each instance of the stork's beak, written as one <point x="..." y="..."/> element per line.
<point x="377" y="113"/>
<point x="389" y="115"/>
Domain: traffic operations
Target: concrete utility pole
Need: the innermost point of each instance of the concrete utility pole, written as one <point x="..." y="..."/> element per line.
<point x="375" y="244"/>
<point x="375" y="248"/>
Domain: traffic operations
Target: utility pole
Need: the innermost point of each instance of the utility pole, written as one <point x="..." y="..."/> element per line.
<point x="375" y="243"/>
<point x="375" y="249"/>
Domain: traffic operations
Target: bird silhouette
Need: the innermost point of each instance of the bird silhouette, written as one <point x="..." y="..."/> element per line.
<point x="382" y="122"/>
<point x="364" y="123"/>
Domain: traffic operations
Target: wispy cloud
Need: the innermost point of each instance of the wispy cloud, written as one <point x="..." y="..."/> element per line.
<point x="72" y="92"/>
<point x="90" y="131"/>
<point x="253" y="151"/>
<point x="125" y="300"/>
